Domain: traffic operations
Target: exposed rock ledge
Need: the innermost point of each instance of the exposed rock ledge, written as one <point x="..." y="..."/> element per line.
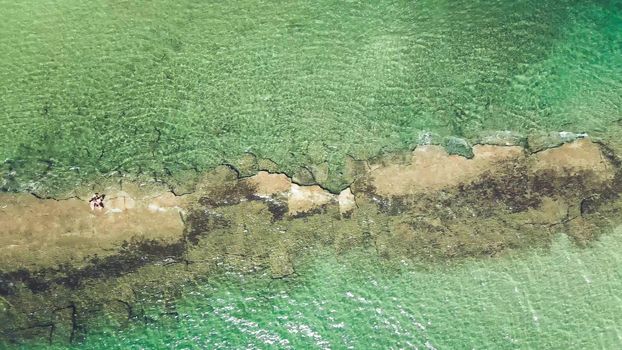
<point x="44" y="232"/>
<point x="37" y="232"/>
<point x="63" y="266"/>
<point x="432" y="169"/>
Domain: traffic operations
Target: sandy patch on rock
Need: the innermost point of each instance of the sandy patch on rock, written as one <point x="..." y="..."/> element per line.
<point x="40" y="232"/>
<point x="581" y="155"/>
<point x="432" y="169"/>
<point x="267" y="184"/>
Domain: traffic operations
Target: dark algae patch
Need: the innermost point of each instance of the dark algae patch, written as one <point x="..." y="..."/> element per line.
<point x="131" y="257"/>
<point x="37" y="312"/>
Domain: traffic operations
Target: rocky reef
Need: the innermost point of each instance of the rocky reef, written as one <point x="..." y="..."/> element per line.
<point x="65" y="269"/>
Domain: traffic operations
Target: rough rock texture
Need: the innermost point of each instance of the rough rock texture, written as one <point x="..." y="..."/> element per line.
<point x="573" y="158"/>
<point x="475" y="206"/>
<point x="299" y="199"/>
<point x="540" y="141"/>
<point x="64" y="266"/>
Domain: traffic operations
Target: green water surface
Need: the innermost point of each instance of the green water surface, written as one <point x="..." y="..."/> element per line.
<point x="565" y="298"/>
<point x="156" y="87"/>
<point x="92" y="87"/>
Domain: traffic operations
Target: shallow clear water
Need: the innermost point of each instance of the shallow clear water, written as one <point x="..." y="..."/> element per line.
<point x="160" y="86"/>
<point x="566" y="298"/>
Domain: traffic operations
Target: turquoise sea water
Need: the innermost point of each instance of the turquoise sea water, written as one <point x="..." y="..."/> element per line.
<point x="155" y="87"/>
<point x="565" y="298"/>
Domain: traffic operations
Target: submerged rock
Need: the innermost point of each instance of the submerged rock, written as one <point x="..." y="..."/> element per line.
<point x="267" y="165"/>
<point x="458" y="146"/>
<point x="502" y="138"/>
<point x="540" y="141"/>
<point x="281" y="264"/>
<point x="247" y="164"/>
<point x="428" y="138"/>
<point x="303" y="176"/>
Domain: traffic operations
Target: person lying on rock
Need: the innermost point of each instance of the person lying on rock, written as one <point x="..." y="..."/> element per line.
<point x="97" y="201"/>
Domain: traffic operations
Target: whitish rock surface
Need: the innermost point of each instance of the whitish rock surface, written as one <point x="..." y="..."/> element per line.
<point x="306" y="198"/>
<point x="346" y="200"/>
